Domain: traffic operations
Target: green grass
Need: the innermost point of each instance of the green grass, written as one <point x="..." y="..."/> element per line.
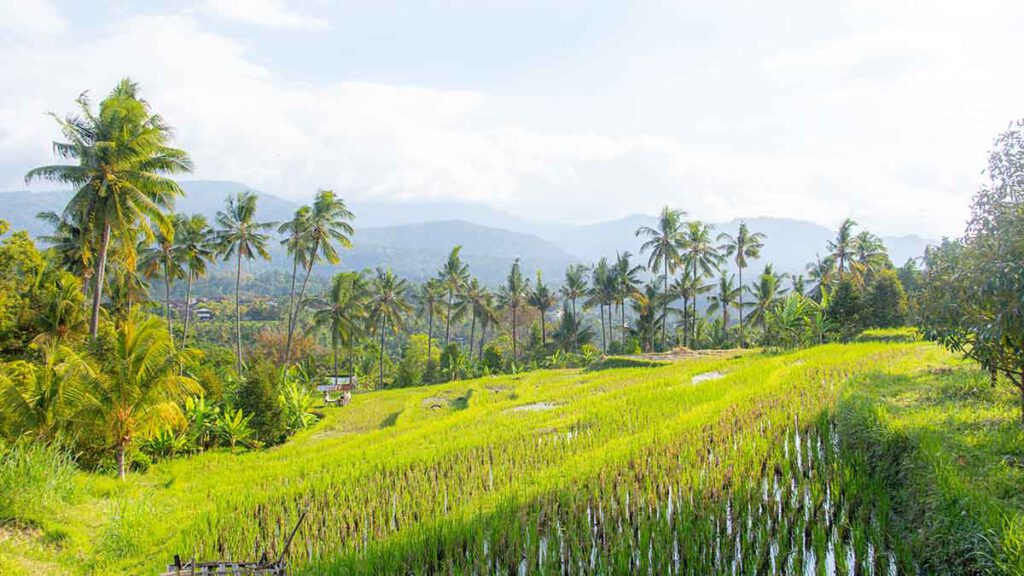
<point x="539" y="471"/>
<point x="950" y="448"/>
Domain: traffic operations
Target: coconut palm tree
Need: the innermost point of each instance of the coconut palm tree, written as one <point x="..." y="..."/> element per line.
<point x="744" y="245"/>
<point x="296" y="243"/>
<point x="120" y="179"/>
<point x="767" y="291"/>
<point x="726" y="296"/>
<point x="42" y="398"/>
<point x="868" y="257"/>
<point x="602" y="295"/>
<point x="196" y="249"/>
<point x="388" y="306"/>
<point x="574" y="288"/>
<point x="453" y="275"/>
<point x="646" y="306"/>
<point x="663" y="242"/>
<point x="513" y="296"/>
<point x="126" y="285"/>
<point x="544" y="300"/>
<point x="59" y="314"/>
<point x="487" y="312"/>
<point x="797" y="284"/>
<point x="570" y="332"/>
<point x="139" y="386"/>
<point x="841" y="248"/>
<point x="163" y="259"/>
<point x="701" y="256"/>
<point x="71" y="241"/>
<point x="470" y="300"/>
<point x="431" y="296"/>
<point x="688" y="289"/>
<point x="821" y="272"/>
<point x="327" y="228"/>
<point x="239" y="235"/>
<point x="343" y="312"/>
<point x="627" y="282"/>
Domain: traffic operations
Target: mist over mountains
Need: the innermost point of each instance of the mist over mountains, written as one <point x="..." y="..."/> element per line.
<point x="413" y="237"/>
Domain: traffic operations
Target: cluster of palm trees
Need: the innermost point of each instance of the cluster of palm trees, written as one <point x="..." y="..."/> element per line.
<point x="853" y="256"/>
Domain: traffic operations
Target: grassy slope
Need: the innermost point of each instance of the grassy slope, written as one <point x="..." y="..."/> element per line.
<point x="394" y="462"/>
<point x="950" y="448"/>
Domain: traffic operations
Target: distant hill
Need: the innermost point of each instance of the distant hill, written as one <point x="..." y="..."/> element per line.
<point x="414" y="237"/>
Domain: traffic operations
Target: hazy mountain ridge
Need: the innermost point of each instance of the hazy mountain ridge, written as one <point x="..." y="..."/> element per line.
<point x="413" y="237"/>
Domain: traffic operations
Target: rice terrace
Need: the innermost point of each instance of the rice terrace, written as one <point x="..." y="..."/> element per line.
<point x="303" y="288"/>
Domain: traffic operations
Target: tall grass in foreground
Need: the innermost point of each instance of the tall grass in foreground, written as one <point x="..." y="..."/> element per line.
<point x="35" y="481"/>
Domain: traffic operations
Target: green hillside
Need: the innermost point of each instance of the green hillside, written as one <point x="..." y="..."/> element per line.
<point x="695" y="466"/>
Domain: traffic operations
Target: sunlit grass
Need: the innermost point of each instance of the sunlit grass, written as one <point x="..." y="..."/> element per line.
<point x="478" y="475"/>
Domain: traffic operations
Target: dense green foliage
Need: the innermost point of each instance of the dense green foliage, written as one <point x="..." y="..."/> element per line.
<point x="972" y="300"/>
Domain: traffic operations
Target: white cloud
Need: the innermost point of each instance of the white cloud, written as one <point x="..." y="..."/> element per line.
<point x="896" y="161"/>
<point x="25" y="18"/>
<point x="267" y="13"/>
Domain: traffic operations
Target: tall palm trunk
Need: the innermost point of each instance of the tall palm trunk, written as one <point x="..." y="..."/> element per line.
<point x="97" y="293"/>
<point x="514" y="354"/>
<point x="611" y="340"/>
<point x="472" y="331"/>
<point x="622" y="313"/>
<point x="693" y="323"/>
<point x="483" y="334"/>
<point x="188" y="302"/>
<point x="576" y="326"/>
<point x="238" y="315"/>
<point x="448" y="318"/>
<point x="664" y="312"/>
<point x="380" y="363"/>
<point x="167" y="300"/>
<point x="604" y="343"/>
<point x="334" y="346"/>
<point x="543" y="330"/>
<point x="298" y="304"/>
<point x="121" y="468"/>
<point x="430" y="331"/>
<point x="291" y="293"/>
<point x="686" y="312"/>
<point x="743" y="341"/>
<point x="352" y="362"/>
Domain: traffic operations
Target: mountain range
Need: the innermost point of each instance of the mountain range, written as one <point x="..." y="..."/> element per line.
<point x="414" y="237"/>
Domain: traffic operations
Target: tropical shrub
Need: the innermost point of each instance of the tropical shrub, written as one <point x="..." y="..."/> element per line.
<point x="298" y="402"/>
<point x="258" y="397"/>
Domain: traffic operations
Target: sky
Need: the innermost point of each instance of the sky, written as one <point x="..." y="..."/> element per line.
<point x="568" y="111"/>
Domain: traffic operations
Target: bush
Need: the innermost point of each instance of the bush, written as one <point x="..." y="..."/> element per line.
<point x="414" y="365"/>
<point x="258" y="396"/>
<point x="886" y="302"/>
<point x="34" y="479"/>
<point x="494" y="359"/>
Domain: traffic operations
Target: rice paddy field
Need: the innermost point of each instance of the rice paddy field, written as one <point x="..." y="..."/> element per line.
<point x="860" y="459"/>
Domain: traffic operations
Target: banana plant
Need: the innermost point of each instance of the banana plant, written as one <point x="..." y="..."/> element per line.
<point x="233" y="427"/>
